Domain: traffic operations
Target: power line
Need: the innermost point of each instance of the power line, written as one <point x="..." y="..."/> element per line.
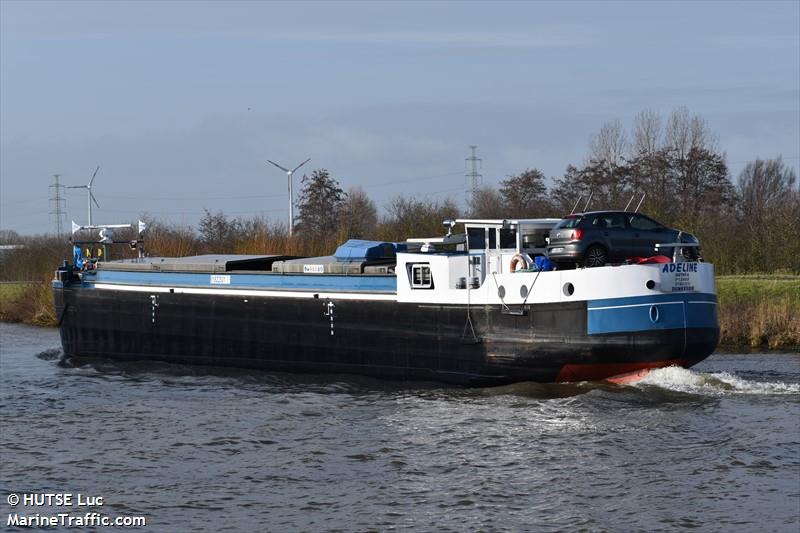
<point x="473" y="177"/>
<point x="279" y="195"/>
<point x="57" y="205"/>
<point x="409" y="180"/>
<point x="215" y="197"/>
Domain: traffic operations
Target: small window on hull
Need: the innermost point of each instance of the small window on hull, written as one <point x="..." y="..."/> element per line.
<point x="421" y="277"/>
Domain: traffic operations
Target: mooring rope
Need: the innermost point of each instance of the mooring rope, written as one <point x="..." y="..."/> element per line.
<point x="530" y="289"/>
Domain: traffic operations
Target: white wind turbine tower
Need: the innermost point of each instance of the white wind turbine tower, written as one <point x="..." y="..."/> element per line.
<point x="89" y="196"/>
<point x="291" y="199"/>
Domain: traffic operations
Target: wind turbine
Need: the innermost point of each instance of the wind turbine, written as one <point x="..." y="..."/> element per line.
<point x="89" y="196"/>
<point x="291" y="198"/>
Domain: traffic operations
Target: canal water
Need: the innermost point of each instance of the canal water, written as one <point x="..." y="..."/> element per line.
<point x="715" y="448"/>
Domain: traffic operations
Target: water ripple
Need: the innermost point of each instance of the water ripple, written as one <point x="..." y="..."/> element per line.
<point x="709" y="449"/>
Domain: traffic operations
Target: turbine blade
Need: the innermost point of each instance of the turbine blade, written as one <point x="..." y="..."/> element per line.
<point x="76" y="187"/>
<point x="277" y="165"/>
<point x="300" y="165"/>
<point x="94" y="175"/>
<point x="94" y="199"/>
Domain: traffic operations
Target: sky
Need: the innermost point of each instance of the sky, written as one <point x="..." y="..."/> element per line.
<point x="182" y="103"/>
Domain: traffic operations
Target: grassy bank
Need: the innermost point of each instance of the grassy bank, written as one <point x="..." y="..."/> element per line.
<point x="27" y="302"/>
<point x="757" y="311"/>
<point x="760" y="311"/>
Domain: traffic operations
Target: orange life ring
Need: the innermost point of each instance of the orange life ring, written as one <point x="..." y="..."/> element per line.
<point x="516" y="261"/>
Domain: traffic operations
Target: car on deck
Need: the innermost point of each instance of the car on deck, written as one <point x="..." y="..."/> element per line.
<point x="598" y="238"/>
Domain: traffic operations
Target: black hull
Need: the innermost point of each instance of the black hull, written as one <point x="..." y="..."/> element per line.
<point x="382" y="339"/>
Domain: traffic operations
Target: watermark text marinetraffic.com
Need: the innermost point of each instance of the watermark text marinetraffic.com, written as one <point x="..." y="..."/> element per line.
<point x="64" y="509"/>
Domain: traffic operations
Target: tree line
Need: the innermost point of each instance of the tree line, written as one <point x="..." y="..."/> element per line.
<point x="673" y="166"/>
<point x="745" y="224"/>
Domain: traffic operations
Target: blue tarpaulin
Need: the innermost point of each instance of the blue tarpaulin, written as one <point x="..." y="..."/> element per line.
<point x="358" y="250"/>
<point x="543" y="263"/>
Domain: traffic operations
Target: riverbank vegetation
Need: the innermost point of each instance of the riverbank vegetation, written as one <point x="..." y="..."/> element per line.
<point x="759" y="310"/>
<point x="747" y="226"/>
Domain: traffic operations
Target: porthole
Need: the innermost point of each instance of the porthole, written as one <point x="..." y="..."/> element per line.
<point x="523" y="291"/>
<point x="569" y="289"/>
<point x="501" y="291"/>
<point x="650" y="284"/>
<point x="654" y="314"/>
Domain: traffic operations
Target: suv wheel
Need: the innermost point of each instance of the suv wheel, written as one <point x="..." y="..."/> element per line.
<point x="596" y="256"/>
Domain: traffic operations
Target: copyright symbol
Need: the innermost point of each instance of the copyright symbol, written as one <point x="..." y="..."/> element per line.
<point x="13" y="500"/>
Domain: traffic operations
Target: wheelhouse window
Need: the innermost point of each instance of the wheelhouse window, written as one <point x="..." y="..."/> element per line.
<point x="508" y="238"/>
<point x="421" y="277"/>
<point x="476" y="238"/>
<point x="492" y="239"/>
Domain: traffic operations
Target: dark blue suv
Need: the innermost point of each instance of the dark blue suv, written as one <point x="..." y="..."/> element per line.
<point x="600" y="237"/>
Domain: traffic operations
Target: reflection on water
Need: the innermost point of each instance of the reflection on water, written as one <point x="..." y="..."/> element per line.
<point x="713" y="448"/>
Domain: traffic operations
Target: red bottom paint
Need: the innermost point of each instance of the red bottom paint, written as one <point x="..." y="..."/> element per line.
<point x="614" y="372"/>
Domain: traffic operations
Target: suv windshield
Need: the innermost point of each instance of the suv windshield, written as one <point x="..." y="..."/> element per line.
<point x="570" y="222"/>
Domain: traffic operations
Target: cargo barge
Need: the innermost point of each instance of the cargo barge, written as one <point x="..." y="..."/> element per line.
<point x="477" y="308"/>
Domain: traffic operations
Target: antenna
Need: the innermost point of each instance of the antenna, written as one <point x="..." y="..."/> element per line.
<point x="473" y="177"/>
<point x="58" y="204"/>
<point x="574" y="207"/>
<point x="585" y="207"/>
<point x="291" y="198"/>
<point x="629" y="202"/>
<point x="640" y="203"/>
<point x="89" y="196"/>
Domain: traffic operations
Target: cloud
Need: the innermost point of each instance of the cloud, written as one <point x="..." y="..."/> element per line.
<point x="533" y="38"/>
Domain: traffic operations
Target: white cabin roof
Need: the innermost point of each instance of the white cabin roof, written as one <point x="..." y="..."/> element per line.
<point x="544" y="222"/>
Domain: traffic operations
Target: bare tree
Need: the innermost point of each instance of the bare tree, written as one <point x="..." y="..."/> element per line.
<point x="765" y="188"/>
<point x="487" y="203"/>
<point x="9" y="236"/>
<point x="608" y="147"/>
<point x="219" y="233"/>
<point x="685" y="132"/>
<point x="359" y="215"/>
<point x="525" y="195"/>
<point x="406" y="216"/>
<point x="647" y="133"/>
<point x="769" y="211"/>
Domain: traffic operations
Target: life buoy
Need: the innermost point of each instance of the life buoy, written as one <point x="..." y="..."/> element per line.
<point x="518" y="260"/>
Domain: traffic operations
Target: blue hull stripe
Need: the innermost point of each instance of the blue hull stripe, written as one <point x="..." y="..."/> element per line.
<point x="302" y="282"/>
<point x="659" y="311"/>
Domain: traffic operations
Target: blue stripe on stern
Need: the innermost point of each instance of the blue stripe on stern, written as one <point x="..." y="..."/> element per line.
<point x="652" y="312"/>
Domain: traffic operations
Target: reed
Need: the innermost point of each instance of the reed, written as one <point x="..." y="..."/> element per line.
<point x="30" y="303"/>
<point x="760" y="311"/>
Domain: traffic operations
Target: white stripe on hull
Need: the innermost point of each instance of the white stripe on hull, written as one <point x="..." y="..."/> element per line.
<point x="633" y="305"/>
<point x="247" y="292"/>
